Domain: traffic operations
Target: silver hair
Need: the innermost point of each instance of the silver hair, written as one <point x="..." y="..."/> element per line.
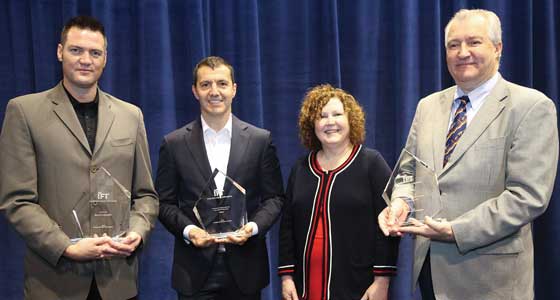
<point x="494" y="25"/>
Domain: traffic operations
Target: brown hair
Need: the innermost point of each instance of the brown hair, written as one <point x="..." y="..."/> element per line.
<point x="212" y="62"/>
<point x="311" y="107"/>
<point x="82" y="22"/>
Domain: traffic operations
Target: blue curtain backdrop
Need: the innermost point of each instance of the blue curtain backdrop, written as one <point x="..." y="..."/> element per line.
<point x="388" y="54"/>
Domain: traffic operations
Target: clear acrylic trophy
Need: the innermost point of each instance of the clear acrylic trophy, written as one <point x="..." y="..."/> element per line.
<point x="414" y="182"/>
<point x="218" y="213"/>
<point x="108" y="210"/>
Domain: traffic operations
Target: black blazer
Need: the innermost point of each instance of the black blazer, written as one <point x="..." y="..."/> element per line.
<point x="183" y="170"/>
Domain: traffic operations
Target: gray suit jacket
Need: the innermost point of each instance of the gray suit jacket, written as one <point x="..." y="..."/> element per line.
<point x="499" y="179"/>
<point x="46" y="164"/>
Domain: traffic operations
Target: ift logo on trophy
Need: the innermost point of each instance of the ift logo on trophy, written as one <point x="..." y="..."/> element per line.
<point x="103" y="196"/>
<point x="218" y="193"/>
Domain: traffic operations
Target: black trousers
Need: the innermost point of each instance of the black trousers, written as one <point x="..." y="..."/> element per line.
<point x="220" y="285"/>
<point x="93" y="291"/>
<point x="425" y="280"/>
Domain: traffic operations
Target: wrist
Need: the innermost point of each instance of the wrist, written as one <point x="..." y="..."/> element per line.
<point x="407" y="204"/>
<point x="286" y="277"/>
<point x="69" y="252"/>
<point x="382" y="281"/>
<point x="402" y="206"/>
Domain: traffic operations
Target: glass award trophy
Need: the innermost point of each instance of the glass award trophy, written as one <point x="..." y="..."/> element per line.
<point x="414" y="182"/>
<point x="221" y="213"/>
<point x="108" y="210"/>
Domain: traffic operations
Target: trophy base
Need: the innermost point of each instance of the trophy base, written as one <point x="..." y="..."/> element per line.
<point x="223" y="235"/>
<point x="407" y="224"/>
<point x="418" y="222"/>
<point x="118" y="238"/>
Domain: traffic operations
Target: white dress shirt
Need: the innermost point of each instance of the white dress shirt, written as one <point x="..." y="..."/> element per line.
<point x="477" y="97"/>
<point x="218" y="145"/>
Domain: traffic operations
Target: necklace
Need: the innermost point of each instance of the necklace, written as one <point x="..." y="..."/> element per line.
<point x="333" y="162"/>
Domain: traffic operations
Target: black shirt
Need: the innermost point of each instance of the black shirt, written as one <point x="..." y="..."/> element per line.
<point x="87" y="115"/>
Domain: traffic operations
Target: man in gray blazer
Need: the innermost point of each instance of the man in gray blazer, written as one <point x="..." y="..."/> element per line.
<point x="495" y="153"/>
<point x="52" y="144"/>
<point x="205" y="267"/>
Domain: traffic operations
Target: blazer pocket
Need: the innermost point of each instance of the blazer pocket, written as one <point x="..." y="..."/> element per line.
<point x="491" y="144"/>
<point x="121" y="142"/>
<point x="489" y="155"/>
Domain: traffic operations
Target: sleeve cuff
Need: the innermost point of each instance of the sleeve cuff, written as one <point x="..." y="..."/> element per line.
<point x="461" y="235"/>
<point x="255" y="228"/>
<point x="384" y="270"/>
<point x="186" y="233"/>
<point x="286" y="270"/>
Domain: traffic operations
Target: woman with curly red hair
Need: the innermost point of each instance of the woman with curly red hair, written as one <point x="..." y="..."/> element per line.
<point x="330" y="244"/>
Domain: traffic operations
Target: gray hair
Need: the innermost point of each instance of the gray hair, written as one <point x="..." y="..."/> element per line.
<point x="494" y="25"/>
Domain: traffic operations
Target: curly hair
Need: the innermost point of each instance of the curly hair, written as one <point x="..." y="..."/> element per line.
<point x="311" y="107"/>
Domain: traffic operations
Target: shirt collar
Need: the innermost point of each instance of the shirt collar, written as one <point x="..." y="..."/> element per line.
<point x="226" y="130"/>
<point x="477" y="96"/>
<point x="76" y="104"/>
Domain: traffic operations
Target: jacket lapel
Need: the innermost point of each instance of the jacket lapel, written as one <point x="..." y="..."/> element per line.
<point x="194" y="141"/>
<point x="65" y="112"/>
<point x="491" y="108"/>
<point x="239" y="143"/>
<point x="439" y="129"/>
<point x="105" y="118"/>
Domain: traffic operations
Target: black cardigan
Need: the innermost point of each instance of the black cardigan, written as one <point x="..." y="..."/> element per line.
<point x="357" y="249"/>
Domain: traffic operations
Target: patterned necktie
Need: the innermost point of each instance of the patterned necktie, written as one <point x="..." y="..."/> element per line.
<point x="457" y="128"/>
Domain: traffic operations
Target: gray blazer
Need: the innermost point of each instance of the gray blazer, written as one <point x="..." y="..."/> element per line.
<point x="46" y="164"/>
<point x="499" y="179"/>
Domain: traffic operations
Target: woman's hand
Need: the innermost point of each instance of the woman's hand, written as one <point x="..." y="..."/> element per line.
<point x="378" y="290"/>
<point x="289" y="291"/>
